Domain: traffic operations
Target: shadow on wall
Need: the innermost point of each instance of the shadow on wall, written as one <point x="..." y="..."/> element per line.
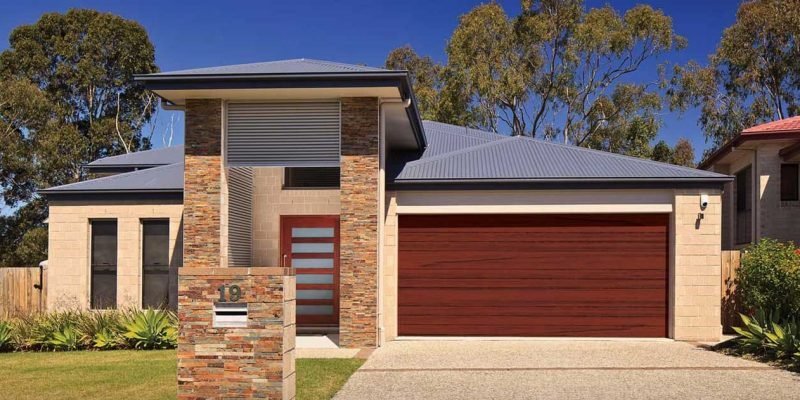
<point x="175" y="263"/>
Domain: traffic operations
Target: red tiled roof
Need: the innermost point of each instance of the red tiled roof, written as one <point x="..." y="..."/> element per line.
<point x="791" y="124"/>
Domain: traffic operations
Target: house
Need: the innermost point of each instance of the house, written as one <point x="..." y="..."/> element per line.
<point x="763" y="200"/>
<point x="394" y="226"/>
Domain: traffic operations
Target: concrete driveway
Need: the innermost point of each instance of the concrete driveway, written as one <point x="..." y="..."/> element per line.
<point x="562" y="370"/>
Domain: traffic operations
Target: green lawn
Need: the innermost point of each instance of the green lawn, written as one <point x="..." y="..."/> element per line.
<point x="86" y="375"/>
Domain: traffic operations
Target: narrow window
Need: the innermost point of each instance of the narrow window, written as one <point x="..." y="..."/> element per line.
<point x="155" y="264"/>
<point x="789" y="182"/>
<point x="104" y="265"/>
<point x="311" y="177"/>
<point x="744" y="205"/>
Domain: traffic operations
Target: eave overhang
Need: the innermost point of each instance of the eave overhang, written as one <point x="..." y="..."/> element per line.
<point x="377" y="79"/>
<point x="562" y="183"/>
<point x="723" y="151"/>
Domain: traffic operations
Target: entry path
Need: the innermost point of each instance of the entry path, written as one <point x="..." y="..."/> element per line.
<point x="557" y="369"/>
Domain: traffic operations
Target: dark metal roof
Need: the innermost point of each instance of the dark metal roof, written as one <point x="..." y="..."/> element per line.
<point x="296" y="66"/>
<point x="298" y="73"/>
<point x="485" y="157"/>
<point x="147" y="158"/>
<point x="446" y="138"/>
<point x="163" y="179"/>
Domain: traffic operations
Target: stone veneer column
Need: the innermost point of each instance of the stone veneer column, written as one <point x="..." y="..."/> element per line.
<point x="255" y="361"/>
<point x="358" y="248"/>
<point x="202" y="183"/>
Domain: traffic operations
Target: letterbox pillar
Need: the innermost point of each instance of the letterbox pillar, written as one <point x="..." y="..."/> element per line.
<point x="236" y="325"/>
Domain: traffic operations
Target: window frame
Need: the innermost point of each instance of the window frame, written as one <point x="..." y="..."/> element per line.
<point x="747" y="172"/>
<point x="92" y="241"/>
<point x="143" y="265"/>
<point x="790" y="196"/>
<point x="288" y="184"/>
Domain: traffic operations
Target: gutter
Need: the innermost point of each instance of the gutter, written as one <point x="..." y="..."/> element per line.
<point x="561" y="183"/>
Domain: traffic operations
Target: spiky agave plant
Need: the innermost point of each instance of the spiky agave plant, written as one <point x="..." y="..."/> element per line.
<point x="6" y="338"/>
<point x="149" y="329"/>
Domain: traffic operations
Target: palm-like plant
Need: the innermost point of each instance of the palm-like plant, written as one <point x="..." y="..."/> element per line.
<point x="149" y="329"/>
<point x="5" y="336"/>
<point x="67" y="339"/>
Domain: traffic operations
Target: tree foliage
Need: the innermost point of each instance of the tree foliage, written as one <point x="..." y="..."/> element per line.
<point x="67" y="97"/>
<point x="683" y="153"/>
<point x="556" y="70"/>
<point x="753" y="76"/>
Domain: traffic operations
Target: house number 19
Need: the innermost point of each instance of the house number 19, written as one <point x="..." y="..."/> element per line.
<point x="234" y="293"/>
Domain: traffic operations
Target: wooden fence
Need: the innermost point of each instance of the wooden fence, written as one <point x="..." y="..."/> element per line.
<point x="22" y="290"/>
<point x="730" y="302"/>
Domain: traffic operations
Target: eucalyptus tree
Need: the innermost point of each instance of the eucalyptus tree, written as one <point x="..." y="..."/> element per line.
<point x="67" y="97"/>
<point x="557" y="70"/>
<point x="752" y="77"/>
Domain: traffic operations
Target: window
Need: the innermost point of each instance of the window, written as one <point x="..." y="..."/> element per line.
<point x="789" y="182"/>
<point x="155" y="264"/>
<point x="104" y="264"/>
<point x="744" y="204"/>
<point x="311" y="177"/>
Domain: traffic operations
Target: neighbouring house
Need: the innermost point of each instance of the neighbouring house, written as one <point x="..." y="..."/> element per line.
<point x="394" y="226"/>
<point x="763" y="200"/>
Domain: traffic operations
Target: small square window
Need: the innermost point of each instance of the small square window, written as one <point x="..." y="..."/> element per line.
<point x="311" y="177"/>
<point x="790" y="182"/>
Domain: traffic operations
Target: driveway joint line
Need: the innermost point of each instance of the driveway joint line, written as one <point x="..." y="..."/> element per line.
<point x="754" y="368"/>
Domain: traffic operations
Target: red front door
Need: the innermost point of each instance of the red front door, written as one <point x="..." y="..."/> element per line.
<point x="310" y="244"/>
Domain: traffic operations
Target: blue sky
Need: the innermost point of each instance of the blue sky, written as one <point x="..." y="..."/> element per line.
<point x="201" y="33"/>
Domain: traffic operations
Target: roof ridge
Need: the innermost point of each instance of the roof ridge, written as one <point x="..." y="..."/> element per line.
<point x="336" y="63"/>
<point x="570" y="146"/>
<point x="133" y="154"/>
<point x="608" y="153"/>
<point x="459" y="151"/>
<point x="113" y="177"/>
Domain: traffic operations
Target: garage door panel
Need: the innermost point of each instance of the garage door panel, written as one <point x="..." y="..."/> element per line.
<point x="502" y="222"/>
<point x="530" y="283"/>
<point x="455" y="295"/>
<point x="554" y="247"/>
<point x="539" y="236"/>
<point x="533" y="275"/>
<point x="527" y="320"/>
<point x="519" y="272"/>
<point x="542" y="310"/>
<point x="590" y="262"/>
<point x="420" y="260"/>
<point x="550" y="331"/>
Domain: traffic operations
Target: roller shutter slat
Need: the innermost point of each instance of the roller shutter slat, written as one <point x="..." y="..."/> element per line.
<point x="283" y="134"/>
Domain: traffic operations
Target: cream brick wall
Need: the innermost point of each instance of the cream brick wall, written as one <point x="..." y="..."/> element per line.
<point x="776" y="219"/>
<point x="695" y="274"/>
<point x="694" y="249"/>
<point x="773" y="218"/>
<point x="68" y="269"/>
<point x="388" y="323"/>
<point x="270" y="201"/>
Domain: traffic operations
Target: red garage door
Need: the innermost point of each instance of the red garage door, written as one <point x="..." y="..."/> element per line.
<point x="600" y="275"/>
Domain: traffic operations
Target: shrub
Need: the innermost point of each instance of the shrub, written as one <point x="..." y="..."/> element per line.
<point x="101" y="330"/>
<point x="6" y="339"/>
<point x="151" y="329"/>
<point x="66" y="339"/>
<point x="769" y="277"/>
<point x="766" y="335"/>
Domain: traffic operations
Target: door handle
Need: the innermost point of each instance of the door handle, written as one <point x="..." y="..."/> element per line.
<point x="283" y="261"/>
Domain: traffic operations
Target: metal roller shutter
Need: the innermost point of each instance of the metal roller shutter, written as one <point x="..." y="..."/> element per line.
<point x="288" y="134"/>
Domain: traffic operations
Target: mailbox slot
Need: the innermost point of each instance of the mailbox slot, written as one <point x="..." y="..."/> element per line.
<point x="230" y="315"/>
